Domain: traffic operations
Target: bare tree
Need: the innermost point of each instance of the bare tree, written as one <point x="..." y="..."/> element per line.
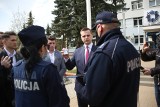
<point x="18" y="21"/>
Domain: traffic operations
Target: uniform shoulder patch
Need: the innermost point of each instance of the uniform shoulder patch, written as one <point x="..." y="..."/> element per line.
<point x="102" y="46"/>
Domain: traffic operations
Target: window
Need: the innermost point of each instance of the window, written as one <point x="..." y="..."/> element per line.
<point x="154" y="2"/>
<point x="137" y="4"/>
<point x="158" y="2"/>
<point x="136" y="39"/>
<point x="121" y="23"/>
<point x="137" y="21"/>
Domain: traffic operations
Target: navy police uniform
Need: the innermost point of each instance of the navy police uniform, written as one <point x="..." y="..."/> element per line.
<point x="42" y="90"/>
<point x="113" y="73"/>
<point x="42" y="87"/>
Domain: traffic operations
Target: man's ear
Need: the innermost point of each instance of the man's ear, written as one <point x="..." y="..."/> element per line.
<point x="3" y="40"/>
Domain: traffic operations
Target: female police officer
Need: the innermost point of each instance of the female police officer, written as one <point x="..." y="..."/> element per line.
<point x="37" y="83"/>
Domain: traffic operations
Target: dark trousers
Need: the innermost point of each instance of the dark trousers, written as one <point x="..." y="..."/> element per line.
<point x="157" y="90"/>
<point x="81" y="103"/>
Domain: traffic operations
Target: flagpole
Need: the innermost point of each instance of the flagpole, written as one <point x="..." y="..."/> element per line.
<point x="88" y="11"/>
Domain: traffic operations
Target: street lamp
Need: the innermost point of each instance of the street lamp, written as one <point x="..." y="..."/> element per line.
<point x="124" y="22"/>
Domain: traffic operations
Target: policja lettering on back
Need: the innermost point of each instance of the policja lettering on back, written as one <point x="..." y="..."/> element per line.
<point x="133" y="64"/>
<point x="26" y="85"/>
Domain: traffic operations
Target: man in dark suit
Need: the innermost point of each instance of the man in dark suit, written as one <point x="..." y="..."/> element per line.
<point x="10" y="57"/>
<point x="80" y="59"/>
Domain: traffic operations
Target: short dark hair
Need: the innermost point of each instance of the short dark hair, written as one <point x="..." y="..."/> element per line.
<point x="1" y="32"/>
<point x="51" y="38"/>
<point x="8" y="34"/>
<point x="85" y="28"/>
<point x="1" y="35"/>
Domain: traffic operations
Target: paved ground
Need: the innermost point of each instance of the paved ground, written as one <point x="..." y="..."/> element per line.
<point x="72" y="94"/>
<point x="146" y="90"/>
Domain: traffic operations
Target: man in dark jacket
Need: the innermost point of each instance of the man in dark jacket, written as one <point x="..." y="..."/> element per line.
<point x="10" y="56"/>
<point x="112" y="78"/>
<point x="148" y="54"/>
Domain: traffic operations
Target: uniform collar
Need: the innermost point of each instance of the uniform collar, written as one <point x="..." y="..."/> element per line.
<point x="114" y="33"/>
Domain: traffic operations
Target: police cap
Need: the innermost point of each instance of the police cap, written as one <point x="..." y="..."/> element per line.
<point x="31" y="34"/>
<point x="105" y="17"/>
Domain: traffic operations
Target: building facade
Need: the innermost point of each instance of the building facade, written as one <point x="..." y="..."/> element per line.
<point x="140" y="21"/>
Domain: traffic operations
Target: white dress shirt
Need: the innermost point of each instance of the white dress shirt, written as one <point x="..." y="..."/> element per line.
<point x="11" y="55"/>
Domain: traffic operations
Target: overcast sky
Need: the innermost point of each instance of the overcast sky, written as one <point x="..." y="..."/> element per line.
<point x="41" y="11"/>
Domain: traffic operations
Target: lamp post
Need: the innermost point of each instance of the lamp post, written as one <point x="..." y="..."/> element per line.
<point x="124" y="21"/>
<point x="88" y="10"/>
<point x="138" y="28"/>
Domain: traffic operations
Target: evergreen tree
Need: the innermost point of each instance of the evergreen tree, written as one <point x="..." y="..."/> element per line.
<point x="100" y="5"/>
<point x="24" y="26"/>
<point x="30" y="19"/>
<point x="61" y="26"/>
<point x="71" y="17"/>
<point x="48" y="30"/>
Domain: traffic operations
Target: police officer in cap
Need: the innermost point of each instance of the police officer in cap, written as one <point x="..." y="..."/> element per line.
<point x="37" y="83"/>
<point x="113" y="73"/>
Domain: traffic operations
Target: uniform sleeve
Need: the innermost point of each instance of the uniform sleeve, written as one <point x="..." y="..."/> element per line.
<point x="56" y="92"/>
<point x="98" y="80"/>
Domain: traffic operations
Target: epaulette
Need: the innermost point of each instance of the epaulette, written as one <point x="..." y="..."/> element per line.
<point x="102" y="47"/>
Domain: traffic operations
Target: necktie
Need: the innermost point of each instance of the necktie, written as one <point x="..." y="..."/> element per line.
<point x="87" y="54"/>
<point x="11" y="58"/>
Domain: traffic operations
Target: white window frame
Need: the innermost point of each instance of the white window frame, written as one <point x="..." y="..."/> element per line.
<point x="138" y="19"/>
<point x="135" y="4"/>
<point x="155" y="3"/>
<point x="152" y="1"/>
<point x="136" y="39"/>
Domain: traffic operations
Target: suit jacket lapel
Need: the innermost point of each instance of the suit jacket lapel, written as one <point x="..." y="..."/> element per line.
<point x="55" y="57"/>
<point x="4" y="53"/>
<point x="18" y="57"/>
<point x="82" y="55"/>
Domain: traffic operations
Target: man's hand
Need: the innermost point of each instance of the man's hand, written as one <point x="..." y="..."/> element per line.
<point x="5" y="61"/>
<point x="146" y="71"/>
<point x="66" y="56"/>
<point x="65" y="53"/>
<point x="145" y="47"/>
